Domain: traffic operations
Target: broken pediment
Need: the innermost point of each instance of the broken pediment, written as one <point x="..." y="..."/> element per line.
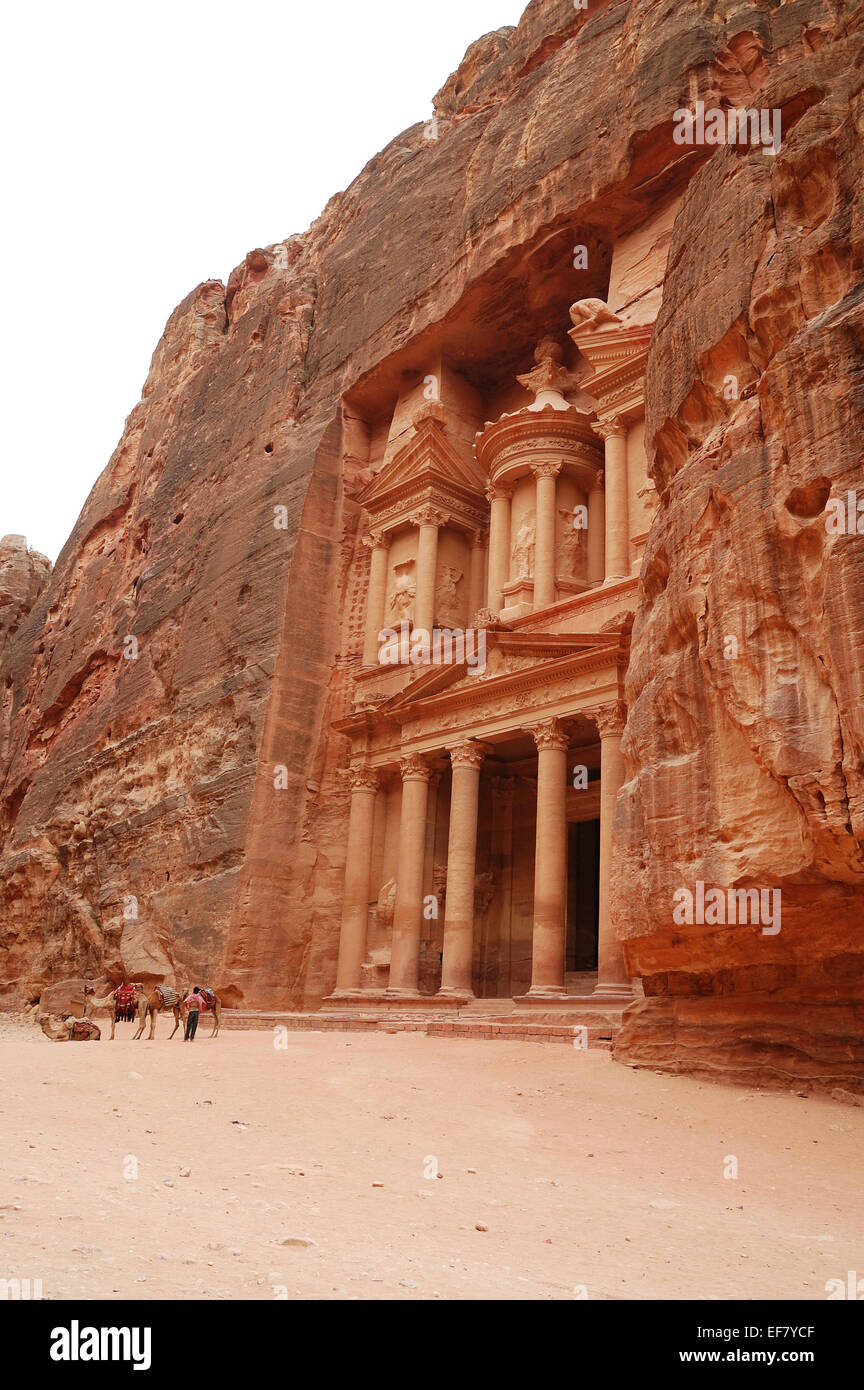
<point x="427" y="464"/>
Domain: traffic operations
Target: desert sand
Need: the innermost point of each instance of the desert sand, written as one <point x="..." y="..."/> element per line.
<point x="562" y="1174"/>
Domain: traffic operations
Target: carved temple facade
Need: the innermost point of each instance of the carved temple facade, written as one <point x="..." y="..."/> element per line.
<point x="506" y="521"/>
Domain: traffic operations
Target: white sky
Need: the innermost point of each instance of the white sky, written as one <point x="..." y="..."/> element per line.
<point x="148" y="145"/>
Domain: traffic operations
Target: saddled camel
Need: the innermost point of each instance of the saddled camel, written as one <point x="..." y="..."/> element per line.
<point x="215" y="1009"/>
<point x="94" y="1008"/>
<point x="70" y="1029"/>
<point x="161" y="997"/>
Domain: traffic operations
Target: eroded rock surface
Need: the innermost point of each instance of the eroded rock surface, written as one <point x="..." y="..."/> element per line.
<point x="745" y="732"/>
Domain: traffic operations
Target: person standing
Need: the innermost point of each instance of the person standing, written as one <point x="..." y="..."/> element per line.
<point x="194" y="1003"/>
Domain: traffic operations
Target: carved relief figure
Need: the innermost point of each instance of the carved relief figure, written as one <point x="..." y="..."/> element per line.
<point x="572" y="552"/>
<point x="592" y="313"/>
<point x="402" y="602"/>
<point x="439" y="885"/>
<point x="523" y="549"/>
<point x="484" y="891"/>
<point x="447" y="605"/>
<point x="386" y="903"/>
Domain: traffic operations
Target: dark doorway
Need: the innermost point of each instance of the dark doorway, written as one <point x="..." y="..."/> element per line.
<point x="583" y="880"/>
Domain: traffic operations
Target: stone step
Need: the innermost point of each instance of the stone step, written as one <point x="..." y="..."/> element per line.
<point x="595" y="1032"/>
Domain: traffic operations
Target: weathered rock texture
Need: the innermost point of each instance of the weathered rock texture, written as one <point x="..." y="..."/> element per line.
<point x="23" y="576"/>
<point x="146" y="827"/>
<point x="746" y="769"/>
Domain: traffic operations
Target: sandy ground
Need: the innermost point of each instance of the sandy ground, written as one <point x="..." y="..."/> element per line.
<point x="584" y="1174"/>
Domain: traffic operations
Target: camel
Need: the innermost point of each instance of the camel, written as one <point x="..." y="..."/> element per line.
<point x="107" y="1006"/>
<point x="216" y="1010"/>
<point x="70" y="1029"/>
<point x="161" y="997"/>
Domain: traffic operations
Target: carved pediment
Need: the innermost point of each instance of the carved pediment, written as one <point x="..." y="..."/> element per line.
<point x="427" y="462"/>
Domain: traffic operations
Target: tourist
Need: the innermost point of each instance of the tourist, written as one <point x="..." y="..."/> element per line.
<point x="194" y="1002"/>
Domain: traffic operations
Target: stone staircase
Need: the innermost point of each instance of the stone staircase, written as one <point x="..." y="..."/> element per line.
<point x="484" y="1019"/>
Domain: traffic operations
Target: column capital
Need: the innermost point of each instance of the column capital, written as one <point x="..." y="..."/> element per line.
<point x="478" y="540"/>
<point x="363" y="778"/>
<point x="546" y="470"/>
<point x="495" y="490"/>
<point x="429" y="515"/>
<point x="504" y="786"/>
<point x="469" y="754"/>
<point x="610" y="719"/>
<point x="599" y="483"/>
<point x="610" y="427"/>
<point x="415" y="768"/>
<point x="376" y="539"/>
<point x="549" y="733"/>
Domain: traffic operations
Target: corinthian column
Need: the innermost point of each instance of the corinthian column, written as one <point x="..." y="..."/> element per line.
<point x="614" y="431"/>
<point x="544" y="555"/>
<point x="358" y="864"/>
<point x="375" y="595"/>
<point x="427" y="520"/>
<point x="612" y="979"/>
<point x="596" y="531"/>
<point x="550" y="860"/>
<point x="408" y="908"/>
<point x="499" y="543"/>
<point x="467" y="760"/>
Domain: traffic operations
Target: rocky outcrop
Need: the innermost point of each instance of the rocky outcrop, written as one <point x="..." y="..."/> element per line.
<point x="23" y="576"/>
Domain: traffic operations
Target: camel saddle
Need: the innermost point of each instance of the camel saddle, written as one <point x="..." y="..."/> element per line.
<point x="83" y="1029"/>
<point x="124" y="1004"/>
<point x="168" y="996"/>
<point x="208" y="996"/>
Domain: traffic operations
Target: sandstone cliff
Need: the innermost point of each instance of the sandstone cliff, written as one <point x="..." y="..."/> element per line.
<point x="186" y="646"/>
<point x="746" y="724"/>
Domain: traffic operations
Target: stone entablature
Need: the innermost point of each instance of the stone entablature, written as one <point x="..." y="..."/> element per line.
<point x="517" y="444"/>
<point x="482" y="707"/>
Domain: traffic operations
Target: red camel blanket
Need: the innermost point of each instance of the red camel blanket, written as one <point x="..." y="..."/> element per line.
<point x="124" y="1004"/>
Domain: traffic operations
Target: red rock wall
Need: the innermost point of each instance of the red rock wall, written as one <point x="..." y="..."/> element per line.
<point x="23" y="576"/>
<point x="747" y="770"/>
<point x="153" y="778"/>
